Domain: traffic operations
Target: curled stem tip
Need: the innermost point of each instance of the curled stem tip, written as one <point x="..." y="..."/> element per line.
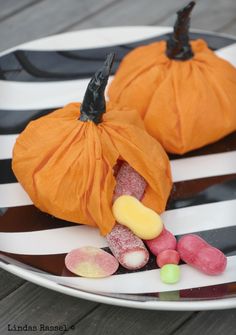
<point x="94" y="104"/>
<point x="178" y="46"/>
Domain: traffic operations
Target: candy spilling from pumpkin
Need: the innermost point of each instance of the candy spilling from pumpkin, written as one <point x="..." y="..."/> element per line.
<point x="185" y="93"/>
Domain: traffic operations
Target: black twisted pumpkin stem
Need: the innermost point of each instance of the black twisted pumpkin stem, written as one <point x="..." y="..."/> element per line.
<point x="178" y="46"/>
<point x="94" y="103"/>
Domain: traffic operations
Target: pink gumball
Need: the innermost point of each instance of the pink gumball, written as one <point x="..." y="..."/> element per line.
<point x="167" y="257"/>
<point x="165" y="241"/>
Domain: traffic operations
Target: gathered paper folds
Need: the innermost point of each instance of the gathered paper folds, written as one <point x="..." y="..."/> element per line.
<point x="66" y="165"/>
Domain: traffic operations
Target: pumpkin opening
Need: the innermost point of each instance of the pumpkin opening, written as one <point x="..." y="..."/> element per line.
<point x="178" y="46"/>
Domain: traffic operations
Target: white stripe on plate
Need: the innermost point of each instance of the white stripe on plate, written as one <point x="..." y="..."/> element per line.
<point x="228" y="53"/>
<point x="6" y="145"/>
<point x="145" y="281"/>
<point x="201" y="218"/>
<point x="12" y="194"/>
<point x="41" y="95"/>
<point x="204" y="166"/>
<point x="92" y="38"/>
<point x="62" y="240"/>
<point x="51" y="241"/>
<point x="26" y="95"/>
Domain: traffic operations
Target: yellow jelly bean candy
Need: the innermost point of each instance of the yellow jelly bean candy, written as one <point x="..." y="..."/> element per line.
<point x="143" y="221"/>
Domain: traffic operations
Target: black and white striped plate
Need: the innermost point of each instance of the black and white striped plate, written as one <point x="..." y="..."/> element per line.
<point x="42" y="75"/>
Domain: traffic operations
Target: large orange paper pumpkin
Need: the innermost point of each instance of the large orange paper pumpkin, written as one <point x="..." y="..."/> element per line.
<point x="65" y="160"/>
<point x="185" y="93"/>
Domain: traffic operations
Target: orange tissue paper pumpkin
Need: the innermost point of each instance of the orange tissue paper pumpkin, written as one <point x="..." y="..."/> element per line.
<point x="185" y="93"/>
<point x="65" y="160"/>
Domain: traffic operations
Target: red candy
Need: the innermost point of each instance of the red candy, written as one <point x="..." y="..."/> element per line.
<point x="165" y="241"/>
<point x="129" y="182"/>
<point x="128" y="249"/>
<point x="196" y="252"/>
<point x="167" y="257"/>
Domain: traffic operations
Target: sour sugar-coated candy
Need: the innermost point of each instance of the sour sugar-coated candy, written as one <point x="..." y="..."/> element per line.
<point x="129" y="182"/>
<point x="143" y="221"/>
<point x="167" y="257"/>
<point x="196" y="252"/>
<point x="127" y="248"/>
<point x="170" y="274"/>
<point x="91" y="262"/>
<point x="166" y="240"/>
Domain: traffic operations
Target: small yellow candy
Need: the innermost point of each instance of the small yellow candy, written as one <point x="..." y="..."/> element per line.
<point x="143" y="221"/>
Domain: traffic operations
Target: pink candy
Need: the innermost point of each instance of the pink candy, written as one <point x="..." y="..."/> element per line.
<point x="130" y="250"/>
<point x="167" y="257"/>
<point x="196" y="252"/>
<point x="166" y="240"/>
<point x="127" y="247"/>
<point x="129" y="182"/>
<point x="91" y="262"/>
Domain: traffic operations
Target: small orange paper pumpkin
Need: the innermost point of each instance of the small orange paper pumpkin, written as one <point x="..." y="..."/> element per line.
<point x="65" y="160"/>
<point x="185" y="93"/>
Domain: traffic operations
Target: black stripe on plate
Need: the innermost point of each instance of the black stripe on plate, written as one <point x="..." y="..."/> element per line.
<point x="36" y="66"/>
<point x="6" y="173"/>
<point x="15" y="121"/>
<point x="3" y="211"/>
<point x="202" y="191"/>
<point x="27" y="219"/>
<point x="199" y="293"/>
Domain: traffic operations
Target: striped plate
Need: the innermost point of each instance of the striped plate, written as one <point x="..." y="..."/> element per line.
<point x="42" y="75"/>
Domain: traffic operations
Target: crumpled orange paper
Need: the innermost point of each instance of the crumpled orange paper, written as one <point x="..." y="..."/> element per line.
<point x="185" y="104"/>
<point x="66" y="165"/>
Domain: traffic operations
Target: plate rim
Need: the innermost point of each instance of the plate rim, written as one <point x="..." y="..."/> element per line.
<point x="165" y="305"/>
